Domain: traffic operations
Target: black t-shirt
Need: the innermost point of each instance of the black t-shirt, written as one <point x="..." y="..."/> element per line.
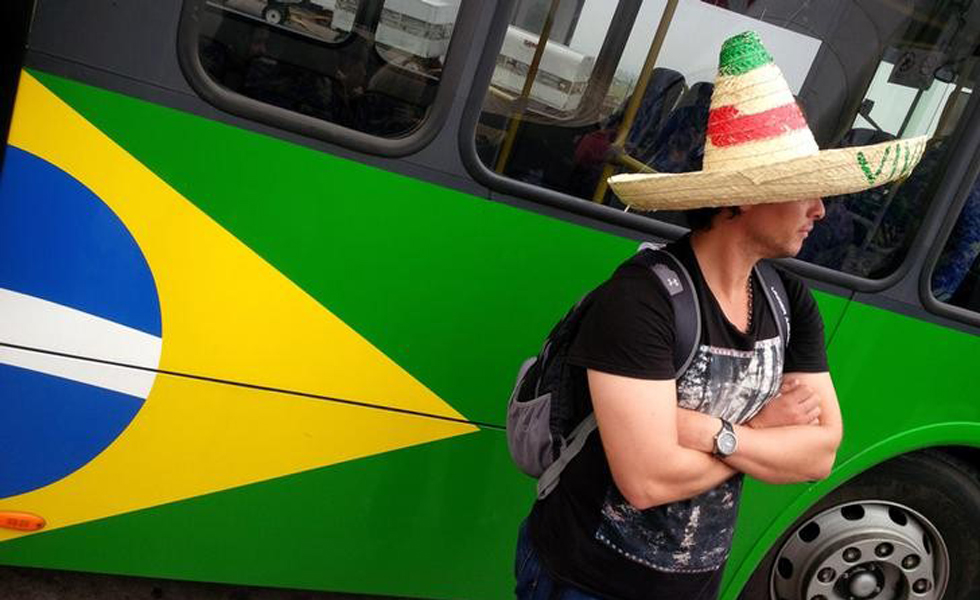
<point x="586" y="532"/>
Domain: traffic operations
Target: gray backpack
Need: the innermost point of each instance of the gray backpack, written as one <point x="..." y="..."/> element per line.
<point x="545" y="427"/>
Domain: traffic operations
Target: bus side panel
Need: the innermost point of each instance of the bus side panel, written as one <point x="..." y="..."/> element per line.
<point x="308" y="370"/>
<point x="440" y="291"/>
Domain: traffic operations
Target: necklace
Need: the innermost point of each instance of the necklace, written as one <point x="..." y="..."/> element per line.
<point x="748" y="321"/>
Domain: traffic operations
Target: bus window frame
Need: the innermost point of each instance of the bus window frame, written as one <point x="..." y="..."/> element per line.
<point x="453" y="74"/>
<point x="499" y="183"/>
<point x="943" y="189"/>
<point x="942" y="229"/>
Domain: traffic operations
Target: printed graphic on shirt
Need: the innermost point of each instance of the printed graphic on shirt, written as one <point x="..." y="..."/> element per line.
<point x="695" y="534"/>
<point x="732" y="384"/>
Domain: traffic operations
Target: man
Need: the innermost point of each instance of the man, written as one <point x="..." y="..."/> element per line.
<point x="647" y="509"/>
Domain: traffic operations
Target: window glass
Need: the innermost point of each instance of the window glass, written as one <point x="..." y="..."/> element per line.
<point x="863" y="72"/>
<point x="956" y="278"/>
<point x="373" y="68"/>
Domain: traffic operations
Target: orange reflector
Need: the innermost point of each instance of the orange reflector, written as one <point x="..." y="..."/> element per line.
<point x="21" y="521"/>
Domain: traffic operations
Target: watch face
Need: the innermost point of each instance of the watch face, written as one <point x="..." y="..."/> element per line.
<point x="726" y="443"/>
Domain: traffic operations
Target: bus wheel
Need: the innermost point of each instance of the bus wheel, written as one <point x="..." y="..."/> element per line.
<point x="275" y="14"/>
<point x="904" y="530"/>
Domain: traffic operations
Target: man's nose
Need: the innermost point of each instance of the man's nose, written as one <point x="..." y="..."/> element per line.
<point x="817" y="210"/>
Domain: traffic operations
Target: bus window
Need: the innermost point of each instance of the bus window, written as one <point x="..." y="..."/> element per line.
<point x="956" y="277"/>
<point x="608" y="95"/>
<point x="371" y="68"/>
<point x="920" y="86"/>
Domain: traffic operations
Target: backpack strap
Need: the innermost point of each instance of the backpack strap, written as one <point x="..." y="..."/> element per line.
<point x="677" y="282"/>
<point x="574" y="444"/>
<point x="775" y="293"/>
<point x="679" y="286"/>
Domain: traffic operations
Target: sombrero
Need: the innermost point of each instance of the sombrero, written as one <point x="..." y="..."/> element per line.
<point x="759" y="149"/>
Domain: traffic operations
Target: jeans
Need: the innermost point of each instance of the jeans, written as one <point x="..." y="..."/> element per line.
<point x="533" y="582"/>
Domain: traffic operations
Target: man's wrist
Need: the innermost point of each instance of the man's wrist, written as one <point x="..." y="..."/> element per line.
<point x="725" y="441"/>
<point x="696" y="430"/>
<point x="707" y="431"/>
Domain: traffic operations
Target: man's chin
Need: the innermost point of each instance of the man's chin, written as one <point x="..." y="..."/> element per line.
<point x="788" y="251"/>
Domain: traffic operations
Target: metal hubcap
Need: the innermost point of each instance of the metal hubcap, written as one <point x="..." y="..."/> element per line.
<point x="870" y="550"/>
<point x="274" y="16"/>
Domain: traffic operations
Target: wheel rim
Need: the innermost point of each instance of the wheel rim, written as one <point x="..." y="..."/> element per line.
<point x="868" y="550"/>
<point x="274" y="16"/>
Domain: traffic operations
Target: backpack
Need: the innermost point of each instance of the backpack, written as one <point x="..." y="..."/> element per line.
<point x="545" y="428"/>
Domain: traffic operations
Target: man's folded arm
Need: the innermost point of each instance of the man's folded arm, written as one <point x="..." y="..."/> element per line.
<point x="782" y="454"/>
<point x="638" y="425"/>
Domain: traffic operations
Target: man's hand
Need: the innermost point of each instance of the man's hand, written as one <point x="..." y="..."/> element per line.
<point x="796" y="404"/>
<point x="793" y="453"/>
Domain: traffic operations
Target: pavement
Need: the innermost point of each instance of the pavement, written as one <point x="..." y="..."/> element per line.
<point x="18" y="583"/>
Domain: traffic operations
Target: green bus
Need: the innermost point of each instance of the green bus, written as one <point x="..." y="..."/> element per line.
<point x="265" y="281"/>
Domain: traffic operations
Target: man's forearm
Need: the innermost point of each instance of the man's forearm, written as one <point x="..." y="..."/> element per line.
<point x="785" y="454"/>
<point x="683" y="474"/>
<point x="680" y="473"/>
<point x="704" y="472"/>
<point x="775" y="455"/>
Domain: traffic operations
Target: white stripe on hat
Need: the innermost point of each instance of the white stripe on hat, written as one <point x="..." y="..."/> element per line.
<point x="750" y="154"/>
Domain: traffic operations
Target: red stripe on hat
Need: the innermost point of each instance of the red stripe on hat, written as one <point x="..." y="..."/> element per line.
<point x="727" y="127"/>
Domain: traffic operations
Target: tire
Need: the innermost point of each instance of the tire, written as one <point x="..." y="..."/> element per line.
<point x="856" y="542"/>
<point x="275" y="14"/>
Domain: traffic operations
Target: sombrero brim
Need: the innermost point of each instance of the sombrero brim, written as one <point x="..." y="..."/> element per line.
<point x="827" y="173"/>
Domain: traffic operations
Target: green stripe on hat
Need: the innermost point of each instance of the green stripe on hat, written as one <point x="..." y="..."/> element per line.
<point x="743" y="53"/>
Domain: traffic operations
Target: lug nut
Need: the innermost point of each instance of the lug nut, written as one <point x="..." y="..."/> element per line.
<point x="854" y="555"/>
<point x="884" y="549"/>
<point x="826" y="575"/>
<point x="910" y="562"/>
<point x="921" y="586"/>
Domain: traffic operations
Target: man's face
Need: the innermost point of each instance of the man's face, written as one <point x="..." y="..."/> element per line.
<point x="779" y="230"/>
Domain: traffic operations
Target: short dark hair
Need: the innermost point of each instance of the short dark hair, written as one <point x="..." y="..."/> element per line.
<point x="701" y="219"/>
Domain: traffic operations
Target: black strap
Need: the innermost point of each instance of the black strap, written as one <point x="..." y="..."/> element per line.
<point x="775" y="292"/>
<point x="679" y="286"/>
<point x="677" y="282"/>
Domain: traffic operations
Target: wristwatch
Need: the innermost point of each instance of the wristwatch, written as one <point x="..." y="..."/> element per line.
<point x="725" y="440"/>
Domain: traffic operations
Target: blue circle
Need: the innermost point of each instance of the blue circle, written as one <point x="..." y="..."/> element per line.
<point x="61" y="243"/>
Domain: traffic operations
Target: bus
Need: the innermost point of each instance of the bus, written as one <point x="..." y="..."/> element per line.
<point x="264" y="292"/>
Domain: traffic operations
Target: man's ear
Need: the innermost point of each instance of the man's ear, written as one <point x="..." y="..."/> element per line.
<point x="733" y="212"/>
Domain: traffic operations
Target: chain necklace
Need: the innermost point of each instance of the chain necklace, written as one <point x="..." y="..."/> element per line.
<point x="748" y="321"/>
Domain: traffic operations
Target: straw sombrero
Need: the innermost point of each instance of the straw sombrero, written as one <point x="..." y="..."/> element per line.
<point x="758" y="148"/>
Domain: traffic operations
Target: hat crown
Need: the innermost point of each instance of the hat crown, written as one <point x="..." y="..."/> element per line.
<point x="742" y="53"/>
<point x="754" y="118"/>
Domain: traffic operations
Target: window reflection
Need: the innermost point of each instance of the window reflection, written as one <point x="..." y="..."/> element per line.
<point x="326" y="20"/>
<point x="372" y="68"/>
<point x="956" y="278"/>
<point x="920" y="87"/>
